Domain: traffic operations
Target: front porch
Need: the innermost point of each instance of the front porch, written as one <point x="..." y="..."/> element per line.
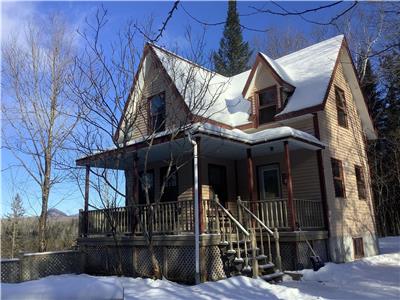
<point x="248" y="193"/>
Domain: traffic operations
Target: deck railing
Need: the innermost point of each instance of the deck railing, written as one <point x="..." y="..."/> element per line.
<point x="274" y="213"/>
<point x="178" y="217"/>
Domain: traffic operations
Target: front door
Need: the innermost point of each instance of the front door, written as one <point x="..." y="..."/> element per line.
<point x="217" y="181"/>
<point x="269" y="181"/>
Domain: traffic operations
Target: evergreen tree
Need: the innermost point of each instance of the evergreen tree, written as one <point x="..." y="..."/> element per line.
<point x="369" y="84"/>
<point x="233" y="54"/>
<point x="14" y="232"/>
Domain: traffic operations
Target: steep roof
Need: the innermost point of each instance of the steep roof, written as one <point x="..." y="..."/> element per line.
<point x="206" y="93"/>
<point x="310" y="71"/>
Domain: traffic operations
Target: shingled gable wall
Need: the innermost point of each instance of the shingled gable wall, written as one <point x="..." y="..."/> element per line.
<point x="349" y="217"/>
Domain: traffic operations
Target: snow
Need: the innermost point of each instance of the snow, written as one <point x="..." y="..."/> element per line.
<point x="280" y="70"/>
<point x="256" y="137"/>
<point x="309" y="70"/>
<point x="376" y="277"/>
<point x="206" y="93"/>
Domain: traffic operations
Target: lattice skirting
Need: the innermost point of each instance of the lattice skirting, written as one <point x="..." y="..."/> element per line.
<point x="33" y="266"/>
<point x="176" y="262"/>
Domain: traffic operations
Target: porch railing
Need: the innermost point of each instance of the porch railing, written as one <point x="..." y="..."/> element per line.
<point x="168" y="218"/>
<point x="274" y="213"/>
<point x="178" y="217"/>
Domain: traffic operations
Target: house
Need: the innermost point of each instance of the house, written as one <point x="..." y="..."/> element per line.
<point x="275" y="157"/>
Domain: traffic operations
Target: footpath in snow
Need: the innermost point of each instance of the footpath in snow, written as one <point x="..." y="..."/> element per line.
<point x="376" y="277"/>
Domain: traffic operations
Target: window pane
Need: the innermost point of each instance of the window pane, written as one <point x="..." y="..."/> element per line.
<point x="157" y="113"/>
<point x="157" y="104"/>
<point x="339" y="192"/>
<point x="268" y="97"/>
<point x="360" y="182"/>
<point x="267" y="114"/>
<point x="335" y="168"/>
<point x="271" y="183"/>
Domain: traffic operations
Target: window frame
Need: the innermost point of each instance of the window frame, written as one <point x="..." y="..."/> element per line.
<point x="272" y="166"/>
<point x="341" y="177"/>
<point x="341" y="107"/>
<point x="361" y="180"/>
<point x="260" y="107"/>
<point x="150" y="125"/>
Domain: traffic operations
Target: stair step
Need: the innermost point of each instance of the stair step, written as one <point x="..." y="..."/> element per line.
<point x="266" y="266"/>
<point x="261" y="256"/>
<point x="274" y="276"/>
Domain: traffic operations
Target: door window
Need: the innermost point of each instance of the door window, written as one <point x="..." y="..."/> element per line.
<point x="269" y="182"/>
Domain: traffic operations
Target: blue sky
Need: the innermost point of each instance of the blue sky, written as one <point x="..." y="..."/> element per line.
<point x="66" y="196"/>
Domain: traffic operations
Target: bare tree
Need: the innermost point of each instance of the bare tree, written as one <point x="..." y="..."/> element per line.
<point x="37" y="108"/>
<point x="103" y="84"/>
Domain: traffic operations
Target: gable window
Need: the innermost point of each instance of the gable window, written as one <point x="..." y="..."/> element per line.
<point x="360" y="182"/>
<point x="358" y="246"/>
<point x="338" y="180"/>
<point x="341" y="107"/>
<point x="267" y="100"/>
<point x="157" y="112"/>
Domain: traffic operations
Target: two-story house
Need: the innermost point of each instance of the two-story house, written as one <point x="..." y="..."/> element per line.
<point x="281" y="146"/>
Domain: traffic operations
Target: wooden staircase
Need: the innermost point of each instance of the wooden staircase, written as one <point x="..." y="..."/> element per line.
<point x="242" y="246"/>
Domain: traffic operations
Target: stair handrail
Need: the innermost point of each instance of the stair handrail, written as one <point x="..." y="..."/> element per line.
<point x="255" y="217"/>
<point x="237" y="223"/>
<point x="274" y="234"/>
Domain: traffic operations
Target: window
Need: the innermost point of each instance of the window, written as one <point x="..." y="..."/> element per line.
<point x="360" y="182"/>
<point x="269" y="181"/>
<point x="146" y="181"/>
<point x="358" y="246"/>
<point x="171" y="185"/>
<point x="157" y="113"/>
<point x="338" y="180"/>
<point x="267" y="105"/>
<point x="341" y="107"/>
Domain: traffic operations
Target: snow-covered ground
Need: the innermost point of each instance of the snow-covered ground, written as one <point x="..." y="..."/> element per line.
<point x="375" y="277"/>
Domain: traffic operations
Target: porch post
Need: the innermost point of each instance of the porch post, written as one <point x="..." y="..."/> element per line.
<point x="250" y="174"/>
<point x="86" y="205"/>
<point x="200" y="186"/>
<point x="291" y="206"/>
<point x="135" y="179"/>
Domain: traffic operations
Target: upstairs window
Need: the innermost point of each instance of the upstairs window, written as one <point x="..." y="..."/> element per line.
<point x="341" y="107"/>
<point x="360" y="182"/>
<point x="338" y="180"/>
<point x="157" y="113"/>
<point x="267" y="100"/>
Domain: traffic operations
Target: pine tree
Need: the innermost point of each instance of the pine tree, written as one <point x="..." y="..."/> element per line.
<point x="17" y="212"/>
<point x="369" y="84"/>
<point x="233" y="54"/>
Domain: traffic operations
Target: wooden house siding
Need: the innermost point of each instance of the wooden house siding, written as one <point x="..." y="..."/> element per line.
<point x="155" y="82"/>
<point x="349" y="216"/>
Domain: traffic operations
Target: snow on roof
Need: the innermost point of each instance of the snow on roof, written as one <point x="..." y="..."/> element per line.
<point x="310" y="70"/>
<point x="206" y="93"/>
<point x="278" y="69"/>
<point x="219" y="98"/>
<point x="259" y="136"/>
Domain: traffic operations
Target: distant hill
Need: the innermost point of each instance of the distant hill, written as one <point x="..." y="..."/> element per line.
<point x="56" y="213"/>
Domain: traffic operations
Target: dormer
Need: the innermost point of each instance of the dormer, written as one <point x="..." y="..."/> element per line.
<point x="268" y="87"/>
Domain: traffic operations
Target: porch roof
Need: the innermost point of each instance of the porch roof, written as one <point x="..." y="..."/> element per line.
<point x="216" y="141"/>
